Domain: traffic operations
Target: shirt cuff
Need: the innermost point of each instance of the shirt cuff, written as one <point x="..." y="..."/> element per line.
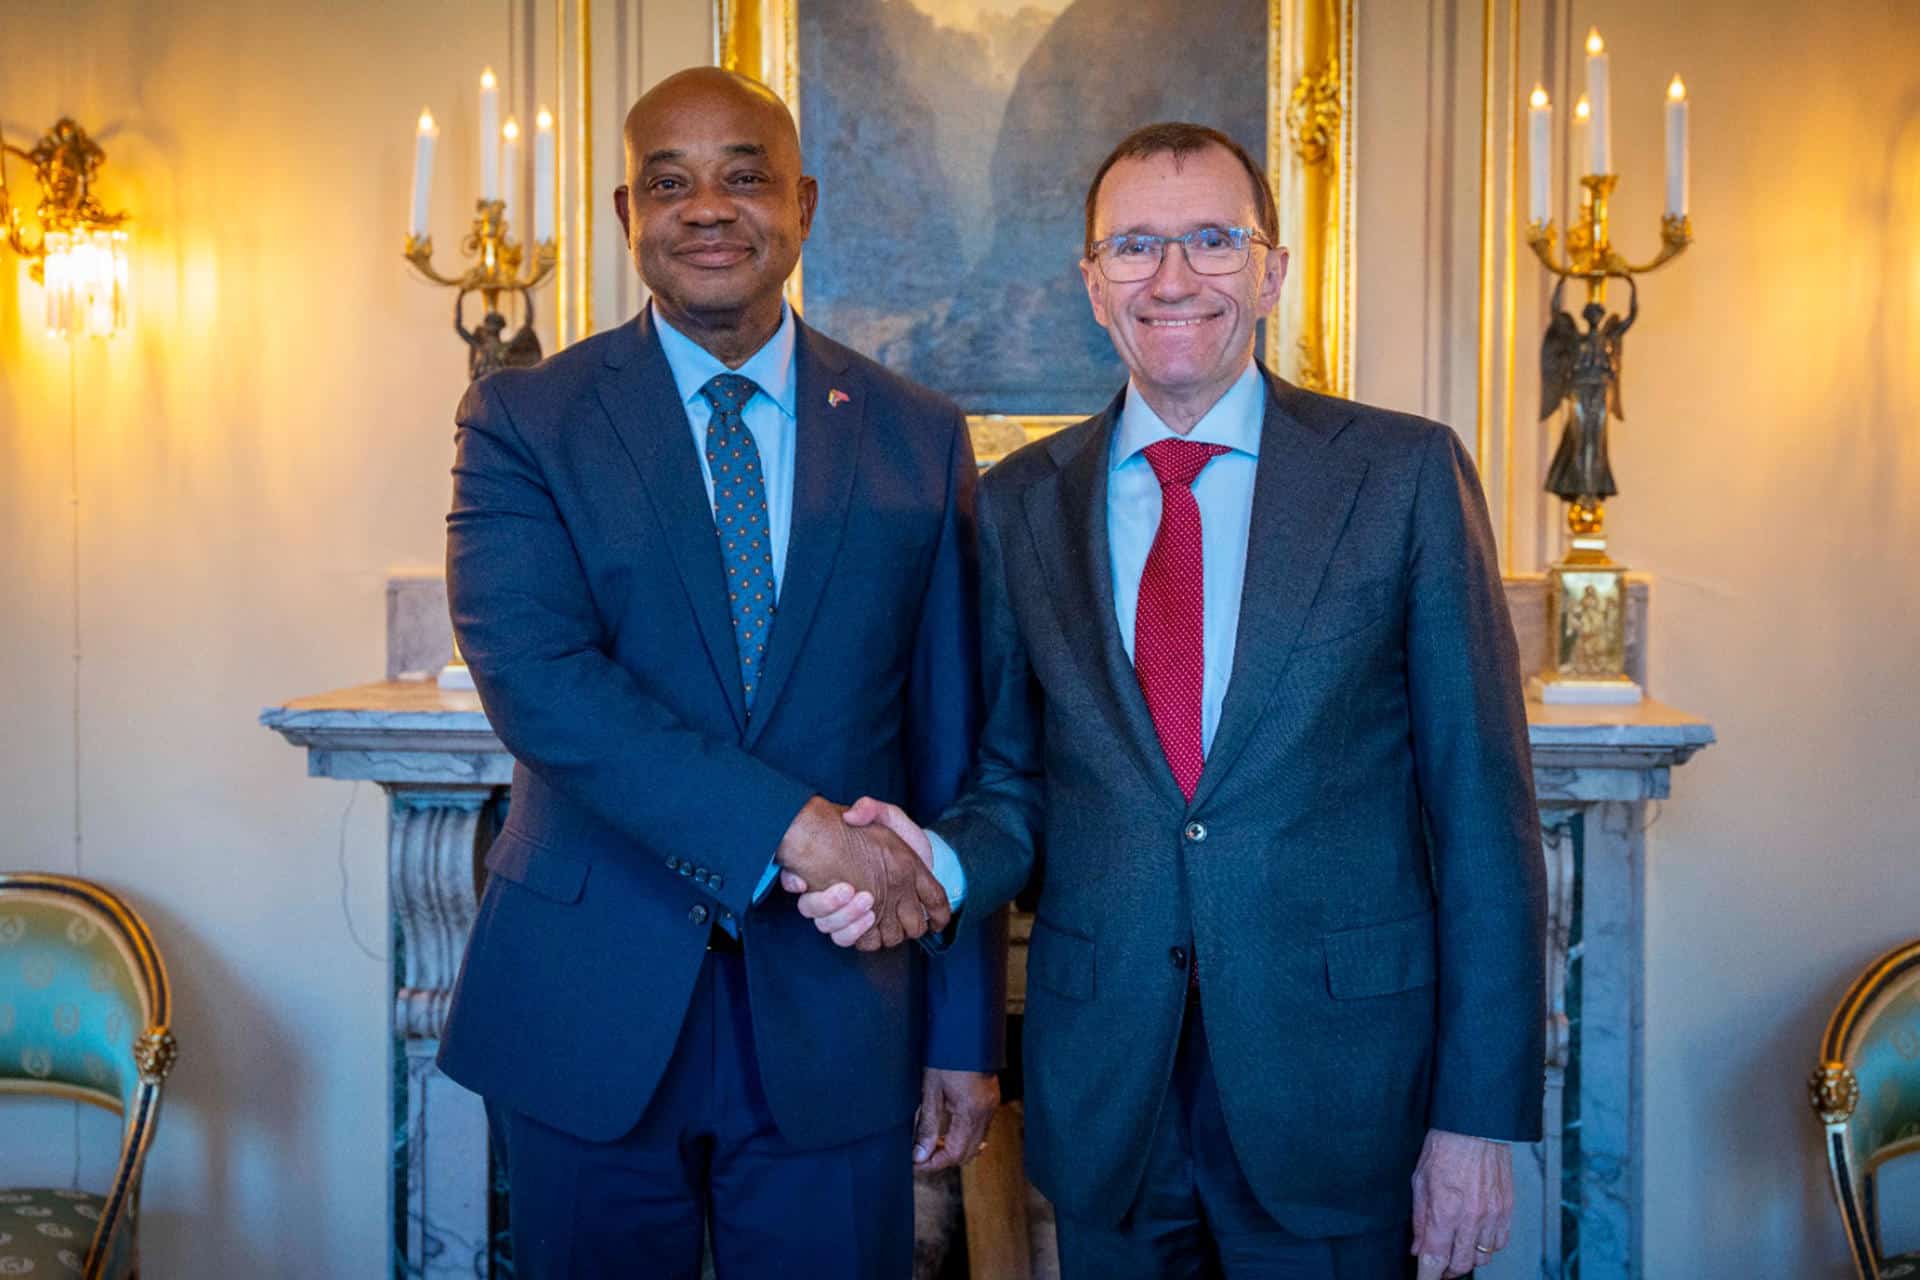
<point x="947" y="870"/>
<point x="766" y="881"/>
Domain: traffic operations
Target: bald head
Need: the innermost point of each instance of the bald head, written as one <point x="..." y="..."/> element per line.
<point x="715" y="207"/>
<point x="704" y="94"/>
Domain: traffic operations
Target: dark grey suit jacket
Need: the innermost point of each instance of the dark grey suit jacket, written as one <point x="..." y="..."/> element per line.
<point x="1359" y="872"/>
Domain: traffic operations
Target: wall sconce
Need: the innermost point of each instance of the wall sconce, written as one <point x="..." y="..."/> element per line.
<point x="80" y="255"/>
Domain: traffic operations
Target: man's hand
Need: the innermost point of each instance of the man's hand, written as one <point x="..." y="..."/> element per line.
<point x="822" y="847"/>
<point x="1462" y="1203"/>
<point x="838" y="910"/>
<point x="956" y="1107"/>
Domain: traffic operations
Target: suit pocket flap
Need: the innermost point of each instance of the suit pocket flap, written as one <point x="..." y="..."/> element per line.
<point x="1061" y="962"/>
<point x="1341" y="611"/>
<point x="1380" y="959"/>
<point x="537" y="868"/>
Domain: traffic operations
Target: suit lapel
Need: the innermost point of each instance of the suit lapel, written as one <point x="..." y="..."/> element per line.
<point x="1067" y="514"/>
<point x="643" y="405"/>
<point x="826" y="454"/>
<point x="1302" y="494"/>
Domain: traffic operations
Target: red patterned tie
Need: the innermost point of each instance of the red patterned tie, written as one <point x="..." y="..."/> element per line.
<point x="1169" y="623"/>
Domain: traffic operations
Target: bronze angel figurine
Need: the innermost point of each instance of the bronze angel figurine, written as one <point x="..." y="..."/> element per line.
<point x="1584" y="368"/>
<point x="487" y="349"/>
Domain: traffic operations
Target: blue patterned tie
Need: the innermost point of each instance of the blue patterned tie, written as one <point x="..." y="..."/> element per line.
<point x="740" y="520"/>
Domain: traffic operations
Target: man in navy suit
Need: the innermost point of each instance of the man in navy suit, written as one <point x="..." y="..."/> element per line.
<point x="712" y="571"/>
<point x="1255" y="731"/>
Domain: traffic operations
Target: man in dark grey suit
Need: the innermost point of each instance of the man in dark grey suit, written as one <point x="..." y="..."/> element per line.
<point x="1255" y="733"/>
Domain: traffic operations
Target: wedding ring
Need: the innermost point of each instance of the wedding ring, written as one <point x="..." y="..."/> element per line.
<point x="1480" y="1248"/>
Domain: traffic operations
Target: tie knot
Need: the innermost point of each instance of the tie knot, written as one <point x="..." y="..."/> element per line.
<point x="726" y="392"/>
<point x="1177" y="462"/>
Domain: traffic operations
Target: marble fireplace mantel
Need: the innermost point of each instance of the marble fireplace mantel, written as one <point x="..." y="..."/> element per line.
<point x="1579" y="1191"/>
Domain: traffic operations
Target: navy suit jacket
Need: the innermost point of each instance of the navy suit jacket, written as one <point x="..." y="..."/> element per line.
<point x="587" y="595"/>
<point x="1359" y="871"/>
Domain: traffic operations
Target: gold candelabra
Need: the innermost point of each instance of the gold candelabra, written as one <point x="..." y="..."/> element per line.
<point x="80" y="254"/>
<point x="1592" y="259"/>
<point x="1588" y="598"/>
<point x="1590" y="255"/>
<point x="497" y="259"/>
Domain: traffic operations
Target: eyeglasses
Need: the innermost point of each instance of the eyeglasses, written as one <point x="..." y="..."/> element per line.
<point x="1211" y="251"/>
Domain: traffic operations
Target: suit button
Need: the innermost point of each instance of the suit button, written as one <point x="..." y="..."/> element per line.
<point x="714" y="881"/>
<point x="1179" y="957"/>
<point x="697" y="913"/>
<point x="673" y="864"/>
<point x="684" y="869"/>
<point x="1196" y="832"/>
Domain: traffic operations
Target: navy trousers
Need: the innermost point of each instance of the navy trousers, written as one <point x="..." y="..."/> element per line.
<point x="1197" y="1219"/>
<point x="706" y="1157"/>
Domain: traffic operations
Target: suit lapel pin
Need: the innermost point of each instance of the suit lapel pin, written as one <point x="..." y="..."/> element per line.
<point x="836" y="398"/>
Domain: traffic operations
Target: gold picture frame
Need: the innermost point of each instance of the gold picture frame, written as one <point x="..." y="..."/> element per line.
<point x="1310" y="161"/>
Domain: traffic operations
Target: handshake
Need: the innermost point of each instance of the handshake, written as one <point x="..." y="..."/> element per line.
<point x="863" y="874"/>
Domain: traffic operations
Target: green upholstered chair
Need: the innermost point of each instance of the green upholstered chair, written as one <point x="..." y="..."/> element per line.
<point x="84" y="1011"/>
<point x="1866" y="1091"/>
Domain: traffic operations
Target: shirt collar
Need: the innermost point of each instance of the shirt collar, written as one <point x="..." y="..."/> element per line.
<point x="771" y="367"/>
<point x="1234" y="421"/>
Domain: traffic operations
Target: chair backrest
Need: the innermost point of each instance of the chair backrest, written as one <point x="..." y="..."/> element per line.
<point x="85" y="1013"/>
<point x="1866" y="1090"/>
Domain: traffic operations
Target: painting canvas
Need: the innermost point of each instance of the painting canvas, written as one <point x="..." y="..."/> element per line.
<point x="954" y="140"/>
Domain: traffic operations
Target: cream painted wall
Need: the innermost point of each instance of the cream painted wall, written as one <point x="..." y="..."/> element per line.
<point x="271" y="440"/>
<point x="255" y="456"/>
<point x="1771" y="468"/>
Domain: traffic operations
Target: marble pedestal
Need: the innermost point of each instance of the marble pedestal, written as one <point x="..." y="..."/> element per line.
<point x="445" y="776"/>
<point x="1579" y="1191"/>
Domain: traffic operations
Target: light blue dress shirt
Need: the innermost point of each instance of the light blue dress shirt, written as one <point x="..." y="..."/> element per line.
<point x="771" y="419"/>
<point x="769" y="416"/>
<point x="1224" y="493"/>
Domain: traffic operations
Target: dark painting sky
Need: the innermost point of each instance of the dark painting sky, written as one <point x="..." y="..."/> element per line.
<point x="953" y="158"/>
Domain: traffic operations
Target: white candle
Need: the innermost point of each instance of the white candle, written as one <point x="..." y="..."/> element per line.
<point x="1677" y="192"/>
<point x="1600" y="132"/>
<point x="489" y="136"/>
<point x="510" y="163"/>
<point x="543" y="177"/>
<point x="424" y="137"/>
<point x="1539" y="157"/>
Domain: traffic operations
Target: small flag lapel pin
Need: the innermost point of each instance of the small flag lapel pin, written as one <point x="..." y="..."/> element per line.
<point x="836" y="398"/>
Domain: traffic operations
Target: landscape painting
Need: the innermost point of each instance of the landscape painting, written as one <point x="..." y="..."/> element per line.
<point x="954" y="140"/>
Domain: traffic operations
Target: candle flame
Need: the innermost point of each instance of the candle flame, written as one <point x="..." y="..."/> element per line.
<point x="486" y="79"/>
<point x="1539" y="98"/>
<point x="1595" y="45"/>
<point x="1582" y="109"/>
<point x="510" y="130"/>
<point x="1677" y="91"/>
<point x="543" y="121"/>
<point x="426" y="121"/>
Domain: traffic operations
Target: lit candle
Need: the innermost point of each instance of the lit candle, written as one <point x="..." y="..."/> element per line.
<point x="424" y="137"/>
<point x="1539" y="157"/>
<point x="543" y="177"/>
<point x="510" y="162"/>
<point x="1677" y="192"/>
<point x="1600" y="134"/>
<point x="489" y="136"/>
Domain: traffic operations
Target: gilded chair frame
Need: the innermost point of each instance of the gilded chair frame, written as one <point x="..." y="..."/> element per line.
<point x="1834" y="1093"/>
<point x="154" y="1049"/>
